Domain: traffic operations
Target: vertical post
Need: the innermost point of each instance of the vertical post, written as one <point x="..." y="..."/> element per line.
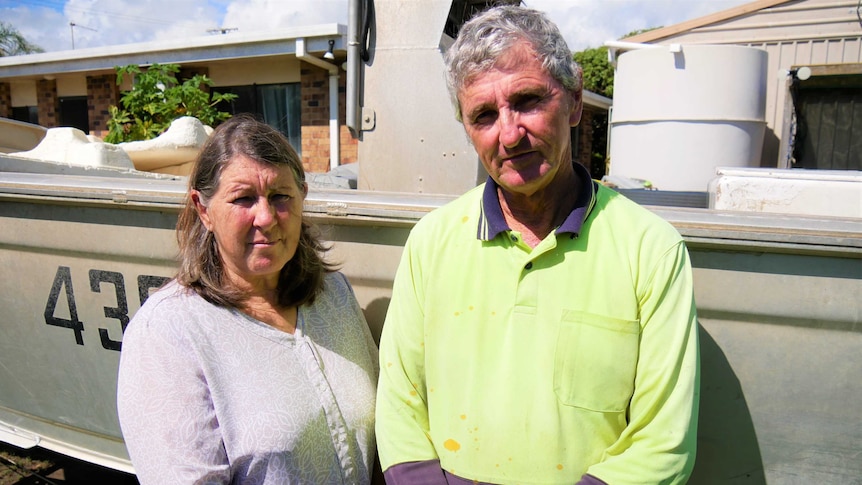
<point x="334" y="135"/>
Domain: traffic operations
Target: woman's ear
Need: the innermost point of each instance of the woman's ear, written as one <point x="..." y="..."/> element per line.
<point x="304" y="189"/>
<point x="201" y="209"/>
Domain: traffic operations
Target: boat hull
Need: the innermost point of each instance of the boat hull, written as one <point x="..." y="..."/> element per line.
<point x="778" y="305"/>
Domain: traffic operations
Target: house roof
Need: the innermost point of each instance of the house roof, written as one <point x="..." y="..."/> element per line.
<point x="174" y="51"/>
<point x="717" y="17"/>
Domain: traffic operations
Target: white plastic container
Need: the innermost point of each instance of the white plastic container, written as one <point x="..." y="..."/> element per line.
<point x="681" y="112"/>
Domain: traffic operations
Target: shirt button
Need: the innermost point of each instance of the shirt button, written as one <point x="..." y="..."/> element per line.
<point x="529" y="266"/>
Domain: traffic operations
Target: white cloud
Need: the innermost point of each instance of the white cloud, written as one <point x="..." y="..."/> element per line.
<point x="262" y="15"/>
<point x="589" y="23"/>
<point x="585" y="23"/>
<point x="110" y="22"/>
<point x="38" y="25"/>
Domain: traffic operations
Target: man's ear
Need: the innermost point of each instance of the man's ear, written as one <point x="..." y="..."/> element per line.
<point x="577" y="107"/>
<point x="578" y="101"/>
<point x="201" y="209"/>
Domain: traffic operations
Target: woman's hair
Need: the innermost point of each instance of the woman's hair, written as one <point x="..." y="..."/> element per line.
<point x="488" y="36"/>
<point x="201" y="269"/>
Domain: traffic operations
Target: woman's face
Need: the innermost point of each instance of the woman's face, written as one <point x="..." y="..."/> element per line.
<point x="256" y="217"/>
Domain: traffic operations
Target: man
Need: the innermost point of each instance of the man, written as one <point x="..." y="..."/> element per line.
<point x="542" y="328"/>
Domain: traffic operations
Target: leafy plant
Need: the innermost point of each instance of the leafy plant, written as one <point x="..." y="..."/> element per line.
<point x="598" y="72"/>
<point x="157" y="98"/>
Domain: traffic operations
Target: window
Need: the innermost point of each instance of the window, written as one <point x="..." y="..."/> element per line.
<point x="276" y="104"/>
<point x="27" y="114"/>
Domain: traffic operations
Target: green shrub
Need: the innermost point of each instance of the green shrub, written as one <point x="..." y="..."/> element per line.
<point x="156" y="99"/>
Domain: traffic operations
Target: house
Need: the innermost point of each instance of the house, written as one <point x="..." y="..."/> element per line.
<point x="281" y="76"/>
<point x="814" y="78"/>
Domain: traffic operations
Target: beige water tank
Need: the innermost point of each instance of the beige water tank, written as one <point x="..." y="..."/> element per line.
<point x="680" y="112"/>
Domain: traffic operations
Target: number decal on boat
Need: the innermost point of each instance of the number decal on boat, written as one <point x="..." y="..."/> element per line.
<point x="63" y="279"/>
<point x="98" y="278"/>
<point x="120" y="312"/>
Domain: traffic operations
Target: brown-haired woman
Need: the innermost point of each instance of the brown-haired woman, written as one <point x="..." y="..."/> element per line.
<point x="255" y="364"/>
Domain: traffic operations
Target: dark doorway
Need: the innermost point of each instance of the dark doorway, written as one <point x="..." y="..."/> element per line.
<point x="73" y="112"/>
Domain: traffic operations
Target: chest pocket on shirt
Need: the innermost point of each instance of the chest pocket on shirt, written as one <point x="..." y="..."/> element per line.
<point x="595" y="362"/>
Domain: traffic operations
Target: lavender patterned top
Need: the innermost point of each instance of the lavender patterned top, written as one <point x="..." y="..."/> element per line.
<point x="209" y="395"/>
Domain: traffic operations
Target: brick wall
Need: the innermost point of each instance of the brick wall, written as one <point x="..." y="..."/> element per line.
<point x="585" y="140"/>
<point x="102" y="93"/>
<point x="5" y="100"/>
<point x="48" y="103"/>
<point x="315" y="120"/>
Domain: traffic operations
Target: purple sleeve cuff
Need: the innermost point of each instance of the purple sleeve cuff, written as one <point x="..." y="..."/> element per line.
<point x="415" y="473"/>
<point x="590" y="480"/>
<point x="429" y="473"/>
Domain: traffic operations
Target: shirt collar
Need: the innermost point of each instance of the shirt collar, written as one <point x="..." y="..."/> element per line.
<point x="492" y="222"/>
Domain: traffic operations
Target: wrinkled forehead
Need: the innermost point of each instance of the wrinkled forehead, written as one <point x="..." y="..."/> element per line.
<point x="515" y="60"/>
<point x="510" y="57"/>
<point x="242" y="169"/>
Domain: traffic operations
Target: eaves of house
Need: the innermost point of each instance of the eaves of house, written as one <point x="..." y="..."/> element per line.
<point x="173" y="51"/>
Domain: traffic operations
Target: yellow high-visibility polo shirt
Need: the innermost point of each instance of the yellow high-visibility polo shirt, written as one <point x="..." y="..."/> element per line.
<point x="513" y="364"/>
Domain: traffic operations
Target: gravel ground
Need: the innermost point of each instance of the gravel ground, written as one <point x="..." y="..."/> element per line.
<point x="38" y="466"/>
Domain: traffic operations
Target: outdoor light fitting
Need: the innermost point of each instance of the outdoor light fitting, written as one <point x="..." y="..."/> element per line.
<point x="329" y="54"/>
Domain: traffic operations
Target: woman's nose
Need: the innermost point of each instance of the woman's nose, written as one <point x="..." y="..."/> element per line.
<point x="264" y="216"/>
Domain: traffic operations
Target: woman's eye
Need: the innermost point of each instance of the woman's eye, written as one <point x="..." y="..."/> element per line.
<point x="280" y="200"/>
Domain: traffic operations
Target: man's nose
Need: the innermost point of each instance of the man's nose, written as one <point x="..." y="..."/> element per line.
<point x="511" y="130"/>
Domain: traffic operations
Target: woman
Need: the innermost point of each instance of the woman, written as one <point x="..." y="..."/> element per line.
<point x="255" y="364"/>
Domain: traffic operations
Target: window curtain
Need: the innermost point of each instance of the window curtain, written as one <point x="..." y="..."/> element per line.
<point x="281" y="110"/>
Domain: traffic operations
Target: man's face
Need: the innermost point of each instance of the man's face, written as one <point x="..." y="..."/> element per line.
<point x="519" y="118"/>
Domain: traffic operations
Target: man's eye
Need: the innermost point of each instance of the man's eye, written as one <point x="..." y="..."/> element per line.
<point x="485" y="118"/>
<point x="527" y="103"/>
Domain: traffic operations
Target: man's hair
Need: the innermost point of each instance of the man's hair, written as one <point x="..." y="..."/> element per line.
<point x="301" y="279"/>
<point x="489" y="35"/>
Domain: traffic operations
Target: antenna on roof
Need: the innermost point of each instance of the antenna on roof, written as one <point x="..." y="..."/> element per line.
<point x="72" y="26"/>
<point x="222" y="30"/>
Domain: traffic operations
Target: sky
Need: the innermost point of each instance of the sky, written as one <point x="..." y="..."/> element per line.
<point x="58" y="25"/>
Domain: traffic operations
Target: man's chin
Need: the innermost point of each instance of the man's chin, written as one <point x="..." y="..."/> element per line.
<point x="522" y="186"/>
